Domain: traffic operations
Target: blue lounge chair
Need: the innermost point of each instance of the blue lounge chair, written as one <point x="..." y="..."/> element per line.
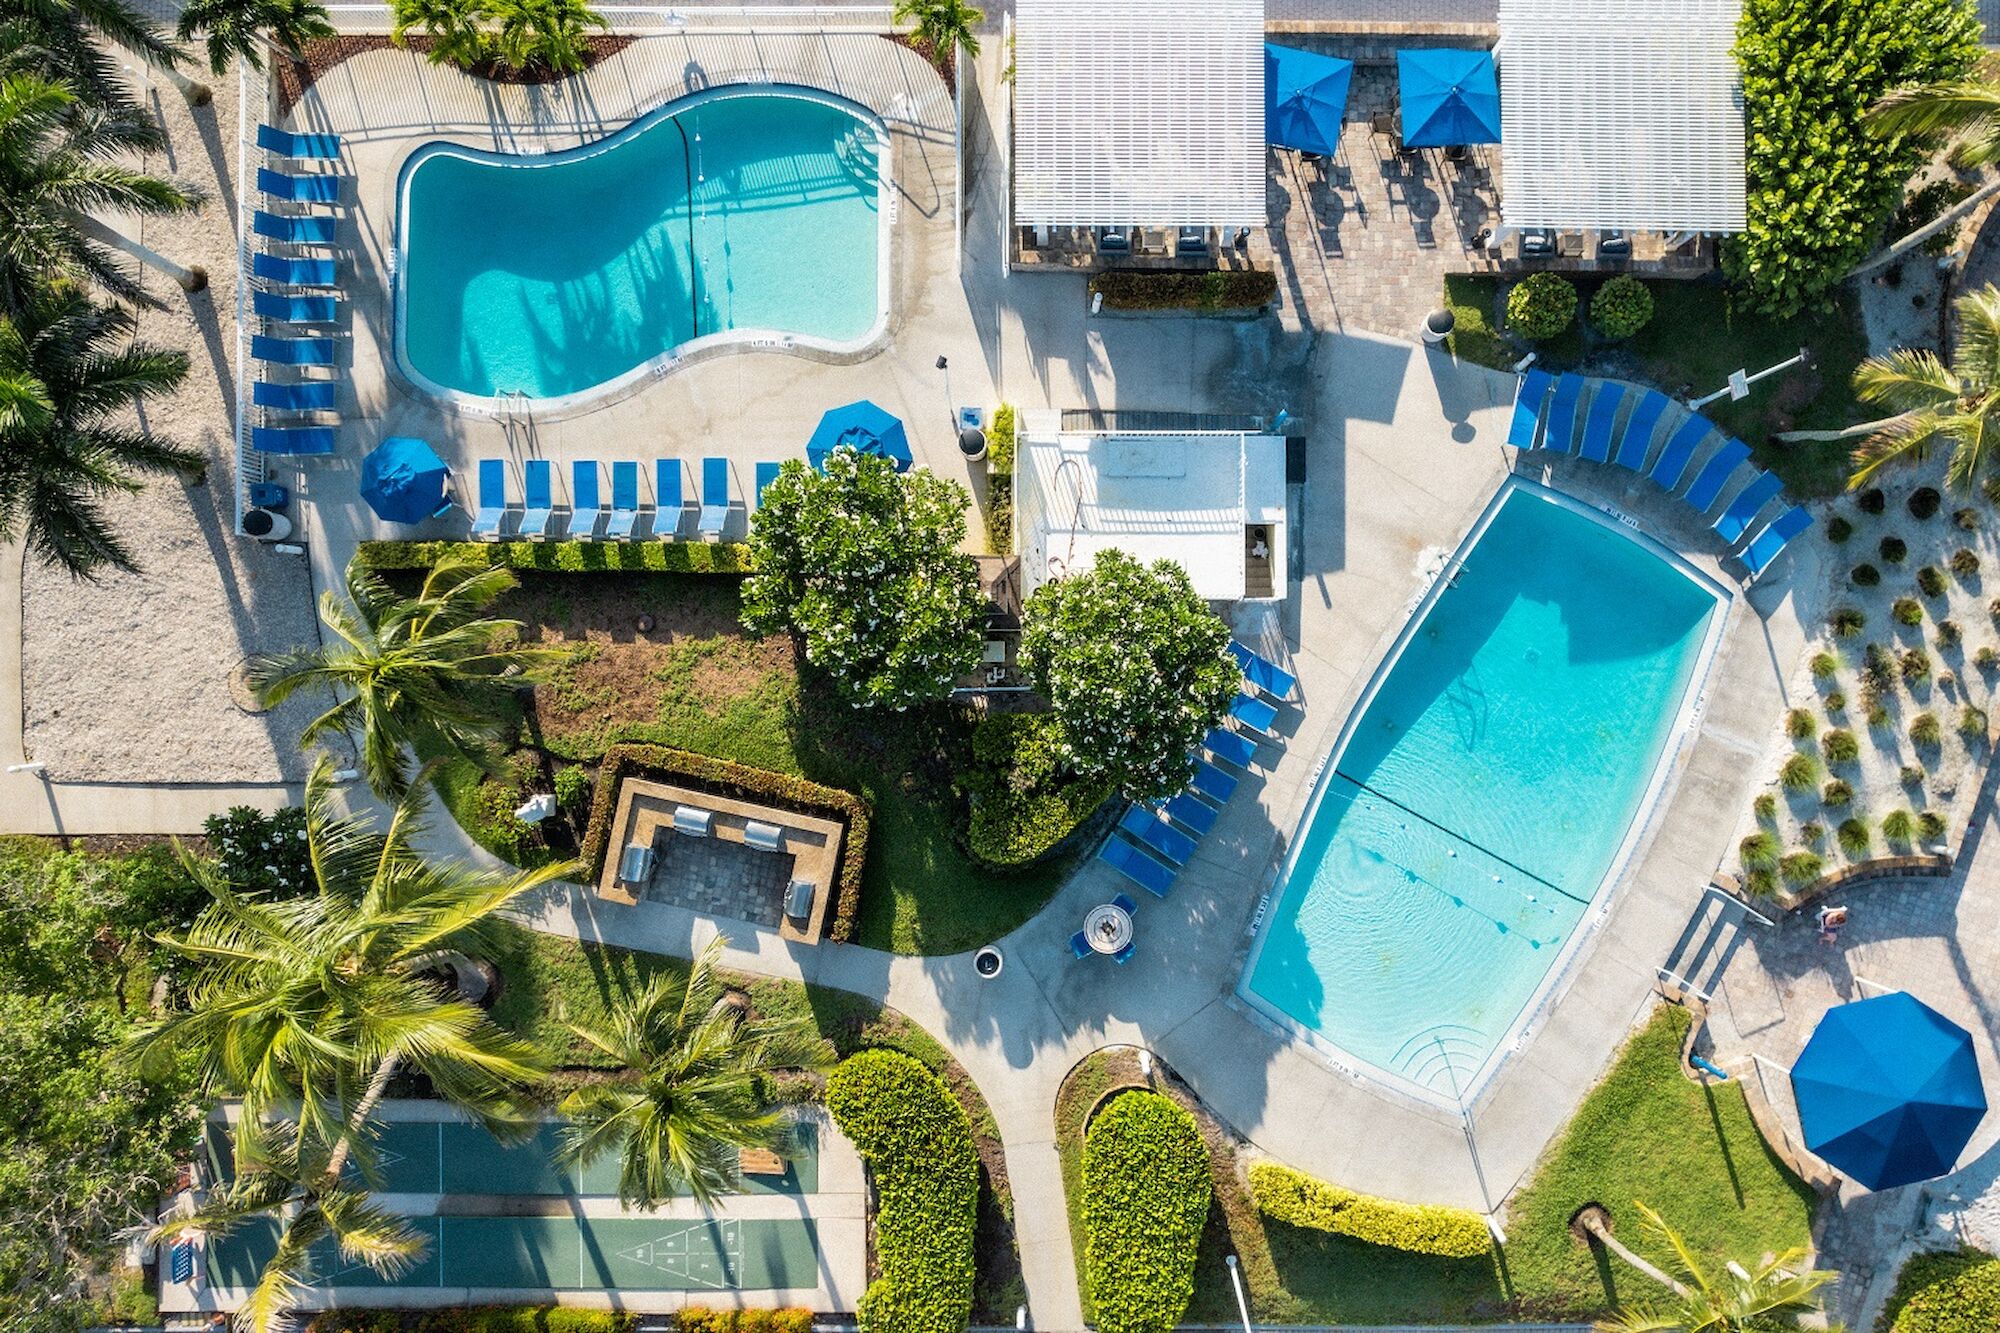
<point x="1212" y="782"/>
<point x="1138" y="867"/>
<point x="295" y="272"/>
<point x="1602" y="417"/>
<point x="1708" y="483"/>
<point x="1253" y="713"/>
<point x="316" y="147"/>
<point x="667" y="501"/>
<point x="1736" y="519"/>
<point x="1560" y="432"/>
<point x="1637" y="441"/>
<point x="1124" y="955"/>
<point x="1157" y="834"/>
<point x="296" y="309"/>
<point x="585" y="505"/>
<point x="292" y="439"/>
<point x="624" y="500"/>
<point x="1777" y="534"/>
<point x="1080" y="946"/>
<point x="1530" y="392"/>
<point x="492" y="498"/>
<point x="292" y="351"/>
<point x="1198" y="817"/>
<point x="1265" y="674"/>
<point x="539" y="493"/>
<point x="299" y="189"/>
<point x="1680" y="448"/>
<point x="766" y="474"/>
<point x="1226" y="745"/>
<point x="714" y="497"/>
<point x="314" y="396"/>
<point x="1124" y="904"/>
<point x="293" y="231"/>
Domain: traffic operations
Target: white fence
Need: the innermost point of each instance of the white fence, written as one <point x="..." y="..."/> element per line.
<point x="1280" y="12"/>
<point x="638" y="20"/>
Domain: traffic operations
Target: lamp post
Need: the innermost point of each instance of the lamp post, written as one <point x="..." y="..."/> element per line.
<point x="951" y="412"/>
<point x="1242" y="1305"/>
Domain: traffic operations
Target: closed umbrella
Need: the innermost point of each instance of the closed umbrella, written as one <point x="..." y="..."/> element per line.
<point x="402" y="479"/>
<point x="864" y="428"/>
<point x="1305" y="98"/>
<point x="1449" y="96"/>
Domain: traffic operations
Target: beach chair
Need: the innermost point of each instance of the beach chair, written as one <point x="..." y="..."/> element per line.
<point x="1559" y="433"/>
<point x="714" y="497"/>
<point x="306" y="147"/>
<point x="1198" y="817"/>
<point x="295" y="272"/>
<point x="1637" y="441"/>
<point x="293" y="231"/>
<point x="1708" y="482"/>
<point x="296" y="309"/>
<point x="667" y="501"/>
<point x="1736" y="519"/>
<point x="1253" y="713"/>
<point x="1124" y="904"/>
<point x="1136" y="866"/>
<point x="766" y="474"/>
<point x="1226" y="745"/>
<point x="1531" y="391"/>
<point x="292" y="351"/>
<point x="492" y="509"/>
<point x="314" y="396"/>
<point x="585" y="504"/>
<point x="1079" y="947"/>
<point x="1265" y="674"/>
<point x="624" y="500"/>
<point x="1155" y="833"/>
<point x="1124" y="955"/>
<point x="1212" y="782"/>
<point x="1777" y="534"/>
<point x="299" y="189"/>
<point x="1680" y="448"/>
<point x="538" y="496"/>
<point x="292" y="439"/>
<point x="1603" y="415"/>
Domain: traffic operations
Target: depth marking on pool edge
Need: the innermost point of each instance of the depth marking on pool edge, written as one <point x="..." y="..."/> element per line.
<point x="1460" y="837"/>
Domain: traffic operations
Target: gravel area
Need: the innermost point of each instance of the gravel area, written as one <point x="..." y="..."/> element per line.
<point x="128" y="679"/>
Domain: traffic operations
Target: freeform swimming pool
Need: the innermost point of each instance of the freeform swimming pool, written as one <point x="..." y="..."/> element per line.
<point x="729" y="214"/>
<point x="1485" y="792"/>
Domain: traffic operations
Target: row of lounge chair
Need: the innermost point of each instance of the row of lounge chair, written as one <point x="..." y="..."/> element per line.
<point x="1170" y="829"/>
<point x="1607" y="421"/>
<point x="586" y="511"/>
<point x="295" y="297"/>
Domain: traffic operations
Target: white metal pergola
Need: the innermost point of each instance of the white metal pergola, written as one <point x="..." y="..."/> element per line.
<point x="1139" y="112"/>
<point x="1623" y="114"/>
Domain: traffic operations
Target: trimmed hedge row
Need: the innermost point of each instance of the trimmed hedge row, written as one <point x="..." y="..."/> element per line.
<point x="1146" y="1191"/>
<point x="1954" y="1292"/>
<point x="724" y="778"/>
<point x="1299" y="1200"/>
<point x="914" y="1136"/>
<point x="1166" y="289"/>
<point x="1000" y="480"/>
<point x="699" y="1319"/>
<point x="567" y="557"/>
<point x="478" y="1319"/>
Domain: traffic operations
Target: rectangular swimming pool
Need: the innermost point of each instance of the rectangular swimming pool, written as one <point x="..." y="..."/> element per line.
<point x="1486" y="792"/>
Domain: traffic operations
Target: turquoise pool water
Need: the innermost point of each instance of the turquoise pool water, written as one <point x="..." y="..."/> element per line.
<point x="1478" y="803"/>
<point x="748" y="213"/>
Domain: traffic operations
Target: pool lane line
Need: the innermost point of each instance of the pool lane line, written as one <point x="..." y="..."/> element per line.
<point x="1459" y="837"/>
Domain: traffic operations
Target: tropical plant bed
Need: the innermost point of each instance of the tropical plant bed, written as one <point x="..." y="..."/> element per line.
<point x="323" y="54"/>
<point x="1957" y="1291"/>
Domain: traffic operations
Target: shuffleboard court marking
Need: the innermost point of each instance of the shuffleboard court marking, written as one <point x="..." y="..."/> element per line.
<point x="672" y="1253"/>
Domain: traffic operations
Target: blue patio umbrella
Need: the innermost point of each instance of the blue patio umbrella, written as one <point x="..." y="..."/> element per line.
<point x="403" y="480"/>
<point x="1305" y="98"/>
<point x="1888" y="1091"/>
<point x="1450" y="96"/>
<point x="864" y="428"/>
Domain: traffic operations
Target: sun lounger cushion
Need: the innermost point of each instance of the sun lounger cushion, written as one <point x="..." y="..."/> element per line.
<point x="1777" y="534"/>
<point x="766" y="474"/>
<point x="1597" y="423"/>
<point x="492" y="498"/>
<point x="299" y="189"/>
<point x="1708" y="483"/>
<point x="1265" y="674"/>
<point x="1227" y="745"/>
<point x="1531" y="391"/>
<point x="1136" y="866"/>
<point x="624" y="499"/>
<point x="296" y="309"/>
<point x="286" y="144"/>
<point x="1637" y="440"/>
<point x="1736" y="519"/>
<point x="292" y="439"/>
<point x="1212" y="782"/>
<point x="292" y="351"/>
<point x="1156" y="833"/>
<point x="714" y="496"/>
<point x="585" y="503"/>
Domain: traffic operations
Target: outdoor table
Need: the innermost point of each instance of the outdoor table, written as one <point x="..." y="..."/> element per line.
<point x="1108" y="927"/>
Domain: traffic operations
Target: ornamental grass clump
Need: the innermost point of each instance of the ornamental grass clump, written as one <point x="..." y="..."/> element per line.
<point x="1765" y="807"/>
<point x="1930" y="581"/>
<point x="1925" y="731"/>
<point x="1812" y="833"/>
<point x="1853" y="837"/>
<point x="1800" y="724"/>
<point x="1838" y="529"/>
<point x="1966" y="519"/>
<point x="1800" y="868"/>
<point x="1621" y="307"/>
<point x="1916" y="664"/>
<point x="1924" y="502"/>
<point x="1897" y="826"/>
<point x="1848" y="621"/>
<point x="1965" y="562"/>
<point x="1894" y="550"/>
<point x="1949" y="635"/>
<point x="1759" y="851"/>
<point x="1541" y="305"/>
<point x="1146" y="1192"/>
<point x="1840" y="746"/>
<point x="1824" y="665"/>
<point x="1930" y="826"/>
<point x="1972" y="725"/>
<point x="1835" y="794"/>
<point x="1865" y="576"/>
<point x="1871" y="501"/>
<point x="1908" y="611"/>
<point x="1986" y="659"/>
<point x="1836" y="704"/>
<point x="1911" y="775"/>
<point x="1800" y="773"/>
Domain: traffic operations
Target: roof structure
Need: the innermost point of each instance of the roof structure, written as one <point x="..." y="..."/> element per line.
<point x="1621" y="114"/>
<point x="1139" y="113"/>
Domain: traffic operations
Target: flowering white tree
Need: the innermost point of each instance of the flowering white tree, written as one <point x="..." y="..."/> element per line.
<point x="863" y="565"/>
<point x="1135" y="667"/>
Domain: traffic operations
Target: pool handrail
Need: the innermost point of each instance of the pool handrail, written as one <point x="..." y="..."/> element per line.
<point x="1531" y="393"/>
<point x="586" y="505"/>
<point x="1714" y="475"/>
<point x="538" y="496"/>
<point x="1742" y="511"/>
<point x="1775" y="537"/>
<point x="1559" y="432"/>
<point x="1672" y="463"/>
<point x="668" y="505"/>
<point x="714" y="497"/>
<point x="624" y="499"/>
<point x="492" y="511"/>
<point x="1605" y="401"/>
<point x="1636" y="442"/>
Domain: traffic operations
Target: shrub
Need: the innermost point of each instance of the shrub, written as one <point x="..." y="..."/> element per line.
<point x="1800" y="868"/>
<point x="699" y="1319"/>
<point x="1878" y="667"/>
<point x="916" y="1140"/>
<point x="1800" y="773"/>
<point x="1761" y="883"/>
<point x="1865" y="576"/>
<point x="1908" y="611"/>
<point x="1924" y="730"/>
<point x="1541" y="306"/>
<point x="1836" y="704"/>
<point x="573" y="790"/>
<point x="1872" y="501"/>
<point x="474" y="1319"/>
<point x="1824" y="665"/>
<point x="1840" y="747"/>
<point x="1972" y="725"/>
<point x="1621" y="307"/>
<point x="1878" y="713"/>
<point x="261" y="853"/>
<point x="1897" y="826"/>
<point x="1967" y="520"/>
<point x="1965" y="562"/>
<point x="1838" y="529"/>
<point x="1765" y="807"/>
<point x="1852" y="835"/>
<point x="1299" y="1200"/>
<point x="1812" y="833"/>
<point x="1924" y="502"/>
<point x="1836" y="794"/>
<point x="1146" y="1191"/>
<point x="1930" y="826"/>
<point x="1916" y="666"/>
<point x="1949" y="634"/>
<point x="1930" y="581"/>
<point x="1848" y="621"/>
<point x="1894" y="550"/>
<point x="1986" y="659"/>
<point x="566" y="557"/>
<point x="1946" y="1293"/>
<point x="1023" y="801"/>
<point x="1759" y="851"/>
<point x="1800" y="724"/>
<point x="1000" y="480"/>
<point x="1214" y="289"/>
<point x="1911" y="775"/>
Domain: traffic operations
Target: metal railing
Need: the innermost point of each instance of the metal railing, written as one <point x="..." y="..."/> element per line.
<point x="1384" y="11"/>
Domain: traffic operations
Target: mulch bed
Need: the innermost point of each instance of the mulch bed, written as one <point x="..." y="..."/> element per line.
<point x="947" y="68"/>
<point x="325" y="53"/>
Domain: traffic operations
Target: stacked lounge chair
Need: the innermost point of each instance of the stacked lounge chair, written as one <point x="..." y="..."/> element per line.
<point x="1530" y="394"/>
<point x="276" y="299"/>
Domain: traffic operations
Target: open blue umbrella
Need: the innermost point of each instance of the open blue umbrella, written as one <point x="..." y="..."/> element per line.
<point x="403" y="480"/>
<point x="1305" y="98"/>
<point x="864" y="428"/>
<point x="1450" y="96"/>
<point x="1888" y="1091"/>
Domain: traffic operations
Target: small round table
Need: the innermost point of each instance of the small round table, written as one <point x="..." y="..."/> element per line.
<point x="1107" y="927"/>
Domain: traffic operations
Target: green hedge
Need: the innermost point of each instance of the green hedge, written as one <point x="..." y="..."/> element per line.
<point x="1167" y="289"/>
<point x="1146" y="1191"/>
<point x="914" y="1136"/>
<point x="1297" y="1199"/>
<point x="700" y="1319"/>
<point x="740" y="781"/>
<point x="476" y="1319"/>
<point x="1000" y="480"/>
<point x="1023" y="802"/>
<point x="1957" y="1292"/>
<point x="567" y="557"/>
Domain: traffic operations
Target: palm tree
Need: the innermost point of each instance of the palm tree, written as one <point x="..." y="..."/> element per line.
<point x="65" y="43"/>
<point x="1768" y="1299"/>
<point x="428" y="672"/>
<point x="1969" y="112"/>
<point x="945" y="25"/>
<point x="232" y="28"/>
<point x="545" y="32"/>
<point x="455" y="29"/>
<point x="69" y="376"/>
<point x="693" y="1091"/>
<point x="59" y="164"/>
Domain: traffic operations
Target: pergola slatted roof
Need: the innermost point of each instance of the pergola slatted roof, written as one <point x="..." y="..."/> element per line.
<point x="1621" y="114"/>
<point x="1139" y="112"/>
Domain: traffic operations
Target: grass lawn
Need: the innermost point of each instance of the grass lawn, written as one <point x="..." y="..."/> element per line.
<point x="694" y="680"/>
<point x="1688" y="350"/>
